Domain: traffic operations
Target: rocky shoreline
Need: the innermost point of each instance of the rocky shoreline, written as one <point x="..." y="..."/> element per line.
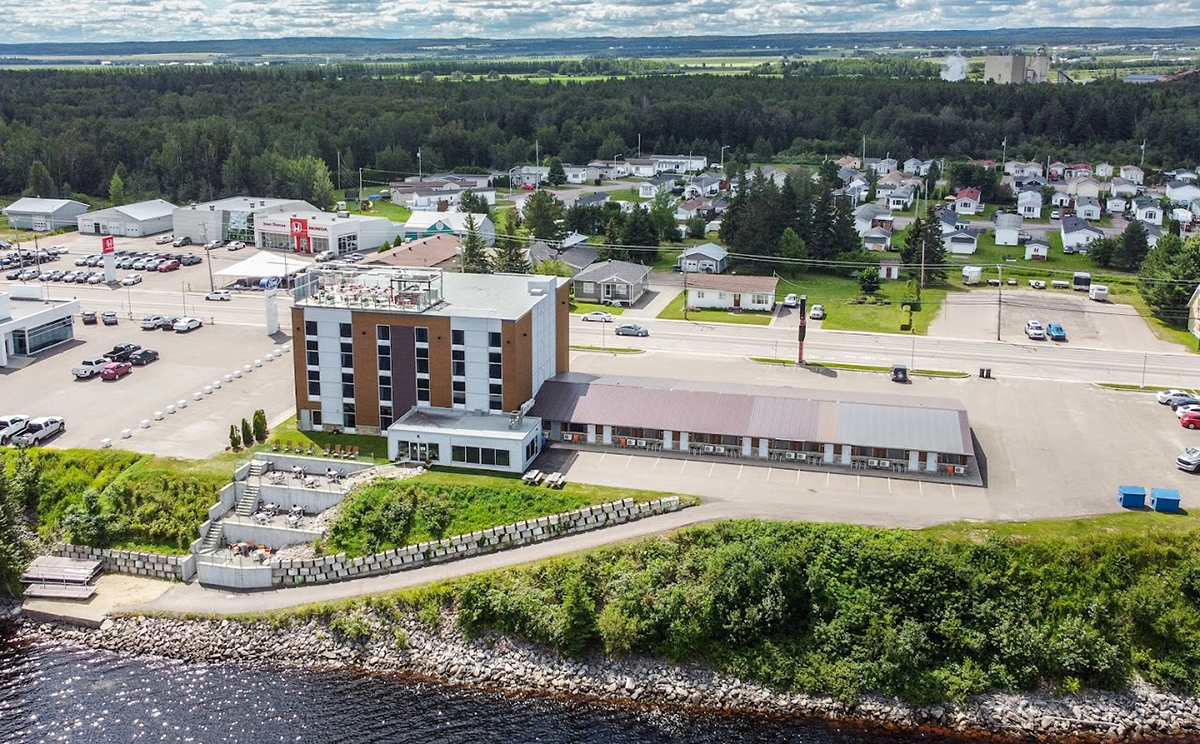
<point x="403" y="644"/>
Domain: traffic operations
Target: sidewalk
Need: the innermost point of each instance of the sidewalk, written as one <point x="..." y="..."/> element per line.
<point x="658" y="296"/>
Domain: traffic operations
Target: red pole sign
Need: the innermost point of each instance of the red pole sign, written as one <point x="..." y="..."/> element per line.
<point x="106" y="244"/>
<point x="803" y="330"/>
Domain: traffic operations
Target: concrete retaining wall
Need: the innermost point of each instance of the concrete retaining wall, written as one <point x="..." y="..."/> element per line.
<point x="226" y="501"/>
<point x="233" y="573"/>
<point x="314" y="500"/>
<point x="339" y="567"/>
<point x="265" y="534"/>
<point x="315" y="465"/>
<point x="138" y="563"/>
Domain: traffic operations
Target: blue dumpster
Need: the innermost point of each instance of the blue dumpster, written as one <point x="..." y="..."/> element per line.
<point x="1131" y="497"/>
<point x="1165" y="500"/>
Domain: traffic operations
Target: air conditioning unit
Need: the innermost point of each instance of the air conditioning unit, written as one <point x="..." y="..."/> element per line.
<point x="720" y="450"/>
<point x="789" y="455"/>
<point x="873" y="463"/>
<point x="566" y="436"/>
<point x="802" y="457"/>
<point x="641" y="442"/>
<point x="959" y="470"/>
<point x="885" y="463"/>
<point x="708" y="448"/>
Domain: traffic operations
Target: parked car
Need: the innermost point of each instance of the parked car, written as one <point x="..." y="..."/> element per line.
<point x="1037" y="284"/>
<point x="1034" y="330"/>
<point x="82" y="260"/>
<point x="219" y="295"/>
<point x="121" y="352"/>
<point x="1189" y="420"/>
<point x="1176" y="403"/>
<point x="115" y="370"/>
<point x="1189" y="459"/>
<point x="89" y="317"/>
<point x="168" y="323"/>
<point x="95" y="278"/>
<point x="108" y="317"/>
<point x="13" y="275"/>
<point x="210" y="245"/>
<point x="169" y="265"/>
<point x="142" y="357"/>
<point x="152" y="264"/>
<point x="597" y="316"/>
<point x="53" y="276"/>
<point x="630" y="329"/>
<point x="29" y="275"/>
<point x="164" y="239"/>
<point x="93" y="261"/>
<point x="792" y="300"/>
<point x="183" y="325"/>
<point x="324" y="256"/>
<point x="11" y="426"/>
<point x="1054" y="215"/>
<point x="190" y="260"/>
<point x="181" y="242"/>
<point x="1165" y="396"/>
<point x="132" y="279"/>
<point x="817" y="313"/>
<point x="236" y="245"/>
<point x="89" y="368"/>
<point x="39" y="430"/>
<point x="152" y="322"/>
<point x="1187" y="408"/>
<point x="1055" y="332"/>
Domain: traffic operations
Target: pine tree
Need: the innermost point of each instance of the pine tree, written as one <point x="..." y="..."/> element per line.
<point x="116" y="189"/>
<point x="474" y="253"/>
<point x="844" y="238"/>
<point x="510" y="252"/>
<point x="612" y="242"/>
<point x="260" y="426"/>
<point x="235" y="437"/>
<point x="556" y="175"/>
<point x="791" y="246"/>
<point x="934" y="258"/>
<point x="640" y="233"/>
<point x="40" y="182"/>
<point x="544" y="215"/>
<point x="247" y="433"/>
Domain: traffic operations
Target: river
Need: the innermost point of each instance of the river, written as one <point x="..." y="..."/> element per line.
<point x="55" y="694"/>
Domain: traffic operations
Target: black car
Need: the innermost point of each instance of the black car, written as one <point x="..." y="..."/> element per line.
<point x="109" y="317"/>
<point x="143" y="357"/>
<point x="122" y="352"/>
<point x="89" y="317"/>
<point x="1189" y="401"/>
<point x="168" y="323"/>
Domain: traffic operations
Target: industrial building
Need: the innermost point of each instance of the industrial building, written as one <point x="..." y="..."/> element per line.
<point x="1009" y="69"/>
<point x="230" y="219"/>
<point x="313" y="231"/>
<point x="42" y="215"/>
<point x="422" y="224"/>
<point x="129" y="220"/>
<point x="375" y="342"/>
<point x="837" y="429"/>
<point x="31" y="323"/>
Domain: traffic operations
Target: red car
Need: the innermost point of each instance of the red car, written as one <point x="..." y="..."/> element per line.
<point x="169" y="265"/>
<point x="1190" y="420"/>
<point x="115" y="370"/>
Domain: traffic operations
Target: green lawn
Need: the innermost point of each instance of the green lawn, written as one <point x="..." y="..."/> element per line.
<point x="370" y="448"/>
<point x="1137" y="524"/>
<point x="674" y="311"/>
<point x="588" y="307"/>
<point x="858" y="367"/>
<point x="629" y="195"/>
<point x="838" y="295"/>
<point x="379" y="207"/>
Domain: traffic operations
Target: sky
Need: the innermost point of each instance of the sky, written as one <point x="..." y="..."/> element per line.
<point x="170" y="20"/>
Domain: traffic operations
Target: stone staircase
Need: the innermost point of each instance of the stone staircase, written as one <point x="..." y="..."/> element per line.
<point x="212" y="538"/>
<point x="257" y="469"/>
<point x="248" y="502"/>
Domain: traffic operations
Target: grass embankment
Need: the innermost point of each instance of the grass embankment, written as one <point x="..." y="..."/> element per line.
<point x="581" y="308"/>
<point x="947" y="612"/>
<point x="386" y="514"/>
<point x="1132" y="388"/>
<point x="608" y="349"/>
<point x="859" y="367"/>
<point x="379" y="207"/>
<point x="674" y="311"/>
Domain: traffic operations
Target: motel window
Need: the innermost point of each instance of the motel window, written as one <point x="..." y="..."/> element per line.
<point x="456" y="338"/>
<point x="385" y="362"/>
<point x="347" y="347"/>
<point x="460" y="399"/>
<point x="310" y="328"/>
<point x="348" y="377"/>
<point x="422" y="366"/>
<point x="383" y="333"/>
<point x="458" y="355"/>
<point x="423" y="383"/>
<point x="495" y="357"/>
<point x="385" y="392"/>
<point x="344" y="330"/>
<point x="421" y="335"/>
<point x="458" y="369"/>
<point x="310" y="345"/>
<point x="314" y="375"/>
<point x="423" y="396"/>
<point x="385" y="417"/>
<point x="495" y="388"/>
<point x="495" y="403"/>
<point x="422" y="352"/>
<point x="494" y="339"/>
<point x="460" y="386"/>
<point x="313" y="359"/>
<point x="589" y="288"/>
<point x="494" y="371"/>
<point x="347" y="361"/>
<point x="314" y="388"/>
<point x="316" y="417"/>
<point x="348" y="391"/>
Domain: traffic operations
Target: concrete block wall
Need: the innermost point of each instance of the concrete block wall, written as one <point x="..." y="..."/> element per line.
<point x="135" y="562"/>
<point x="339" y="567"/>
<point x="315" y="465"/>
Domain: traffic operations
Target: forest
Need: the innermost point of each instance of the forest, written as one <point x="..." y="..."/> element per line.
<point x="192" y="134"/>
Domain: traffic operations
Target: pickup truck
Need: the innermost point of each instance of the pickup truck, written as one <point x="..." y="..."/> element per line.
<point x="89" y="368"/>
<point x="11" y="426"/>
<point x="121" y="352"/>
<point x="39" y="430"/>
<point x="1189" y="460"/>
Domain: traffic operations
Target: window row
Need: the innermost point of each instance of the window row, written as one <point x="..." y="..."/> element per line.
<point x="479" y="455"/>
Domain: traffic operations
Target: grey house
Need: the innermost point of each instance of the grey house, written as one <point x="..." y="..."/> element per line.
<point x="33" y="213"/>
<point x="577" y="257"/>
<point x="709" y="258"/>
<point x="611" y="283"/>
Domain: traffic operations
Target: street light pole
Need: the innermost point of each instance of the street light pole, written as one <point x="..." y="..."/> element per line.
<point x="999" y="298"/>
<point x="723" y="149"/>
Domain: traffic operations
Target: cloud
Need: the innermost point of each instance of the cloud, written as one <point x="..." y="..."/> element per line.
<point x="170" y="20"/>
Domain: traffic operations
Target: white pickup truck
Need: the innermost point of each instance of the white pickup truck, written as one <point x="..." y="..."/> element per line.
<point x="89" y="368"/>
<point x="39" y="430"/>
<point x="11" y="426"/>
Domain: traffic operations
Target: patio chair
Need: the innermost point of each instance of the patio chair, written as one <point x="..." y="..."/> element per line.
<point x="312" y="449"/>
<point x="336" y="451"/>
<point x="356" y="452"/>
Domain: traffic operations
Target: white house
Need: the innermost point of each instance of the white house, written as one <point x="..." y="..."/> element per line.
<point x="877" y="239"/>
<point x="1147" y="210"/>
<point x="1116" y="204"/>
<point x="1133" y="173"/>
<point x="1029" y="204"/>
<point x="1104" y="170"/>
<point x="729" y="292"/>
<point x="1037" y="250"/>
<point x="1008" y="229"/>
<point x="868" y="216"/>
<point x="1077" y="170"/>
<point x="650" y="189"/>
<point x="912" y="166"/>
<point x="708" y="258"/>
<point x="610" y="169"/>
<point x="1084" y="186"/>
<point x="641" y="168"/>
<point x="900" y="198"/>
<point x="1076" y="234"/>
<point x="1060" y="199"/>
<point x="1183" y="192"/>
<point x="129" y="220"/>
<point x="960" y="242"/>
<point x="1087" y="207"/>
<point x="1017" y="169"/>
<point x="968" y="201"/>
<point x="425" y="223"/>
<point x="679" y="163"/>
<point x="1124" y="187"/>
<point x="33" y="213"/>
<point x="1183" y="216"/>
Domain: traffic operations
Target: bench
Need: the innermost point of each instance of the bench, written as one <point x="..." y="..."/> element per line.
<point x="60" y="591"/>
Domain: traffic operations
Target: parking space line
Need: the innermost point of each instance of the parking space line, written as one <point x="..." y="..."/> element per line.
<point x="681" y="467"/>
<point x="627" y="461"/>
<point x="797" y="476"/>
<point x="828" y="476"/>
<point x="657" y="460"/>
<point x="710" y="469"/>
<point x="602" y="456"/>
<point x="921" y="486"/>
<point x="858" y="482"/>
<point x="769" y="474"/>
<point x="889" y="480"/>
<point x="740" y="471"/>
<point x="953" y="495"/>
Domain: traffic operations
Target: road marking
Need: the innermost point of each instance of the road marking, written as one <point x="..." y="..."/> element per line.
<point x="889" y="480"/>
<point x="602" y="456"/>
<point x="828" y="476"/>
<point x="952" y="494"/>
<point x="921" y="486"/>
<point x="627" y="463"/>
<point x="858" y="482"/>
<point x="740" y="471"/>
<point x="681" y="467"/>
<point x="655" y="465"/>
<point x="797" y="476"/>
<point x="710" y="469"/>
<point x="769" y="474"/>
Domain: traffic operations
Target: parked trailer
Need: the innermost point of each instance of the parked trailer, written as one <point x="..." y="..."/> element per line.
<point x="1081" y="281"/>
<point x="1098" y="292"/>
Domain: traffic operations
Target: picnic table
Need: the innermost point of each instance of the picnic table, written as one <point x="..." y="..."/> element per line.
<point x="533" y="477"/>
<point x="556" y="480"/>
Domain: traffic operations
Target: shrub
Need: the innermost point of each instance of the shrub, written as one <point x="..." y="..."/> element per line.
<point x="247" y="433"/>
<point x="235" y="437"/>
<point x="351" y="627"/>
<point x="260" y="426"/>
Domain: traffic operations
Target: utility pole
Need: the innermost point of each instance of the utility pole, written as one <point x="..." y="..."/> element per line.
<point x="685" y="297"/>
<point x="420" y="167"/>
<point x="1143" y="161"/>
<point x="863" y="163"/>
<point x="723" y="149"/>
<point x="999" y="299"/>
<point x="359" y="197"/>
<point x="639" y="145"/>
<point x="212" y="284"/>
<point x="339" y="163"/>
<point x="1004" y="155"/>
<point x="537" y="161"/>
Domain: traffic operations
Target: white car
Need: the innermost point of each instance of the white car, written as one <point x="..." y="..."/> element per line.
<point x="131" y="280"/>
<point x="1054" y="215"/>
<point x="1189" y="408"/>
<point x="164" y="239"/>
<point x="10" y="426"/>
<point x="1034" y="329"/>
<point x="183" y="325"/>
<point x="236" y="245"/>
<point x="597" y="316"/>
<point x="1166" y="396"/>
<point x="324" y="256"/>
<point x="152" y="322"/>
<point x="212" y="244"/>
<point x="223" y="295"/>
<point x="39" y="430"/>
<point x="89" y="368"/>
<point x="818" y="312"/>
<point x="792" y="300"/>
<point x="96" y="278"/>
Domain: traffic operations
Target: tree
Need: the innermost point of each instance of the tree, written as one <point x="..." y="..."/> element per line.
<point x="932" y="177"/>
<point x="1105" y="252"/>
<point x="1135" y="244"/>
<point x="844" y="239"/>
<point x="695" y="227"/>
<point x="40" y="182"/>
<point x="791" y="246"/>
<point x="16" y="538"/>
<point x="829" y="174"/>
<point x="613" y="248"/>
<point x="247" y="433"/>
<point x="472" y="202"/>
<point x="553" y="267"/>
<point x="235" y="438"/>
<point x="85" y="523"/>
<point x="116" y="189"/>
<point x="662" y="214"/>
<point x="556" y="175"/>
<point x="873" y="187"/>
<point x="934" y="258"/>
<point x="544" y="216"/>
<point x="510" y="251"/>
<point x="868" y="280"/>
<point x="474" y="250"/>
<point x="1169" y="275"/>
<point x="260" y="426"/>
<point x="910" y="250"/>
<point x="638" y="233"/>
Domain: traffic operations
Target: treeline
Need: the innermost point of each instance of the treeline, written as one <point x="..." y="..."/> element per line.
<point x="495" y="68"/>
<point x="878" y="67"/>
<point x="172" y="130"/>
<point x="842" y="611"/>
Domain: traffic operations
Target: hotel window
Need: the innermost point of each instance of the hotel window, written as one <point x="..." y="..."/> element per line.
<point x="347" y="361"/>
<point x="422" y="366"/>
<point x="458" y="369"/>
<point x="460" y="386"/>
<point x="458" y="355"/>
<point x="479" y="455"/>
<point x="348" y="418"/>
<point x="310" y="344"/>
<point x="385" y="362"/>
<point x="348" y="391"/>
<point x="310" y="328"/>
<point x="314" y="389"/>
<point x="494" y="371"/>
<point x="421" y="335"/>
<point x="344" y="330"/>
<point x="589" y="288"/>
<point x="456" y="338"/>
<point x="422" y="352"/>
<point x="385" y="417"/>
<point x="494" y="339"/>
<point x="383" y="333"/>
<point x="313" y="358"/>
<point x="316" y="417"/>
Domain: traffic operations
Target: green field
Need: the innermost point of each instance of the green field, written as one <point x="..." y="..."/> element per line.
<point x="628" y="195"/>
<point x="674" y="311"/>
<point x="842" y="313"/>
<point x="379" y="207"/>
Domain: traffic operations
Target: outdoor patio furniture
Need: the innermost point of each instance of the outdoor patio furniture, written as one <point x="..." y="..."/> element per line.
<point x="530" y="477"/>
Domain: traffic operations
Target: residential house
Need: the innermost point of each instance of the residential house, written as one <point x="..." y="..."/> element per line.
<point x="1025" y="182"/>
<point x="1037" y="250"/>
<point x="1152" y="235"/>
<point x="1087" y="207"/>
<point x="708" y="258"/>
<point x="960" y="242"/>
<point x="425" y="223"/>
<point x="848" y="176"/>
<point x="1183" y="216"/>
<point x="901" y="198"/>
<point x="581" y="174"/>
<point x="1124" y="187"/>
<point x="679" y="163"/>
<point x="592" y="198"/>
<point x="1057" y="170"/>
<point x="855" y="192"/>
<point x="848" y="161"/>
<point x="950" y="220"/>
<point x="1148" y="210"/>
<point x="866" y="216"/>
<point x="1084" y="186"/>
<point x="1133" y="174"/>
<point x="913" y="166"/>
<point x="1077" y="233"/>
<point x="697" y="207"/>
<point x="641" y="168"/>
<point x="967" y="201"/>
<point x="1179" y="192"/>
<point x="573" y="240"/>
<point x="877" y="239"/>
<point x="986" y="163"/>
<point x="1077" y="170"/>
<point x="1180" y="174"/>
<point x="1008" y="228"/>
<point x="611" y="283"/>
<point x="1060" y="199"/>
<point x="441" y="250"/>
<point x="889" y="268"/>
<point x="1116" y="204"/>
<point x="610" y="170"/>
<point x="1104" y="170"/>
<point x="34" y="213"/>
<point x="1029" y="204"/>
<point x="577" y="257"/>
<point x="885" y="166"/>
<point x="653" y="187"/>
<point x="528" y="175"/>
<point x="702" y="185"/>
<point x="730" y="292"/>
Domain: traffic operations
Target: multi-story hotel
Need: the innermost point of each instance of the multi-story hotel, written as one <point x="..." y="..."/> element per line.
<point x="436" y="352"/>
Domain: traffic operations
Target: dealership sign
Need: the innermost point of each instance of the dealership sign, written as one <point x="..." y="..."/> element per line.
<point x="299" y="227"/>
<point x="106" y="244"/>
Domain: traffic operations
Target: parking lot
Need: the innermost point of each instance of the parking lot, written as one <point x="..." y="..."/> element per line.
<point x="1101" y="325"/>
<point x="1051" y="449"/>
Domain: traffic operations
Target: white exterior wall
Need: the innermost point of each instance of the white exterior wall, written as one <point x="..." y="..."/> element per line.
<point x="118" y="224"/>
<point x="1150" y="215"/>
<point x="1077" y="239"/>
<point x="1006" y="236"/>
<point x="445" y="440"/>
<point x="724" y="300"/>
<point x="543" y="339"/>
<point x="329" y="351"/>
<point x="53" y="311"/>
<point x="475" y="348"/>
<point x="966" y="206"/>
<point x="1089" y="212"/>
<point x="198" y="224"/>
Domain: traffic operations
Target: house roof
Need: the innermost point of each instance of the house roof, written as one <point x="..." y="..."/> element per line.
<point x="37" y="204"/>
<point x="579" y="257"/>
<point x="1008" y="221"/>
<point x="423" y="219"/>
<point x="425" y="252"/>
<point x="1037" y="243"/>
<point x="595" y="197"/>
<point x="868" y="212"/>
<point x="1131" y="169"/>
<point x="1145" y="202"/>
<point x="1072" y="224"/>
<point x="733" y="283"/>
<point x="147" y="210"/>
<point x="1083" y="179"/>
<point x="970" y="192"/>
<point x="605" y="271"/>
<point x="877" y="232"/>
<point x="961" y="236"/>
<point x="707" y="250"/>
<point x="947" y="216"/>
<point x="794" y="414"/>
<point x="571" y="240"/>
<point x="1086" y="201"/>
<point x="1029" y="196"/>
